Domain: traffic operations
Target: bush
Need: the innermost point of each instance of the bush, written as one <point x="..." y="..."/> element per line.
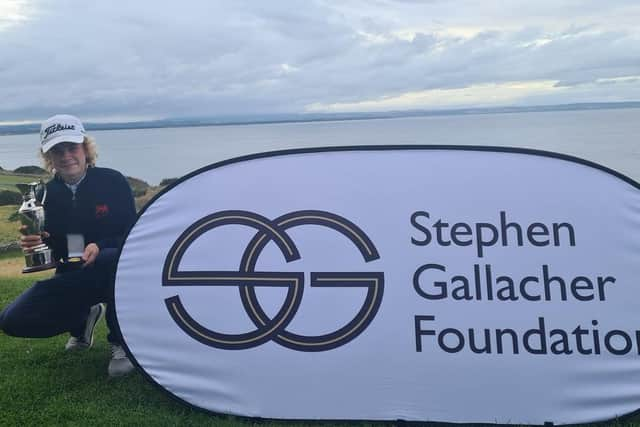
<point x="31" y="170"/>
<point x="138" y="187"/>
<point x="167" y="181"/>
<point x="10" y="198"/>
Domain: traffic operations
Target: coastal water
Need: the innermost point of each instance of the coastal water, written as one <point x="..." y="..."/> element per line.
<point x="608" y="137"/>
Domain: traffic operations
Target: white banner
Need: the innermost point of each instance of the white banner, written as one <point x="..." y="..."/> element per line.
<point x="453" y="284"/>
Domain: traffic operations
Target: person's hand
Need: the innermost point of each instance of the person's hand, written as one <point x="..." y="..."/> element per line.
<point x="90" y="253"/>
<point x="29" y="241"/>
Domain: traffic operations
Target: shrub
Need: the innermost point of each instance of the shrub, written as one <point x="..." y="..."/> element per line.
<point x="31" y="170"/>
<point x="10" y="198"/>
<point x="138" y="187"/>
<point x="167" y="181"/>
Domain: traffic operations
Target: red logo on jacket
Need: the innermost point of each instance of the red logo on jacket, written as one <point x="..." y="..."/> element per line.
<point x="102" y="211"/>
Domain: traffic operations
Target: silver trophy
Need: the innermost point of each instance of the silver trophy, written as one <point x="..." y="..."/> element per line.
<point x="32" y="216"/>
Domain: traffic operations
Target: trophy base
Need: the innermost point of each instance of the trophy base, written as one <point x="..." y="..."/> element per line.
<point x="38" y="268"/>
<point x="38" y="260"/>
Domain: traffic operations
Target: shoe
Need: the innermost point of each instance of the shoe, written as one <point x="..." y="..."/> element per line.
<point x="85" y="341"/>
<point x="120" y="364"/>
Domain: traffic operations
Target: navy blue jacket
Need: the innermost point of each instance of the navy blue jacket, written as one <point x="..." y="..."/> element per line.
<point x="102" y="210"/>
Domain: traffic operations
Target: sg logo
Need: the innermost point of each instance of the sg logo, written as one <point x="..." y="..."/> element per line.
<point x="247" y="279"/>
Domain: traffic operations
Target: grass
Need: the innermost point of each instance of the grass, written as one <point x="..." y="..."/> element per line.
<point x="41" y="384"/>
<point x="9" y="180"/>
<point x="8" y="230"/>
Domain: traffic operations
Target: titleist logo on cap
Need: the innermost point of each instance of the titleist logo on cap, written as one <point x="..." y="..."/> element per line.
<point x="61" y="128"/>
<point x="55" y="128"/>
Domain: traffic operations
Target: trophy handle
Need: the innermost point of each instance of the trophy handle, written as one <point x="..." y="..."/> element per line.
<point x="41" y="192"/>
<point x="25" y="190"/>
<point x="36" y="190"/>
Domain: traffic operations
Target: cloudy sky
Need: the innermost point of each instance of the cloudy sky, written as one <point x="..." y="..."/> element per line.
<point x="144" y="59"/>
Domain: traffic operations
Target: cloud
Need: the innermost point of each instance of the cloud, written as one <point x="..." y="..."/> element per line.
<point x="147" y="59"/>
<point x="482" y="95"/>
<point x="13" y="13"/>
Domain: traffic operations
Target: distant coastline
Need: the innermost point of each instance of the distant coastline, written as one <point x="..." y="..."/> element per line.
<point x="319" y="117"/>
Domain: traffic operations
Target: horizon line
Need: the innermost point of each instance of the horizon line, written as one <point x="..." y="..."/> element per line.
<point x="27" y="127"/>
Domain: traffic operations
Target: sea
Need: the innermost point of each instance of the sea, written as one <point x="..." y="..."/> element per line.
<point x="608" y="137"/>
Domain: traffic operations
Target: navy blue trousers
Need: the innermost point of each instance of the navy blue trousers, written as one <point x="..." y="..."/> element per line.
<point x="61" y="303"/>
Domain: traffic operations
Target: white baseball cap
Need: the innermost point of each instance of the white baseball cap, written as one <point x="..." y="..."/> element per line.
<point x="60" y="128"/>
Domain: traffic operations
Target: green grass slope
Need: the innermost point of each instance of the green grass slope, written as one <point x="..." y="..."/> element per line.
<point x="8" y="230"/>
<point x="8" y="180"/>
<point x="41" y="384"/>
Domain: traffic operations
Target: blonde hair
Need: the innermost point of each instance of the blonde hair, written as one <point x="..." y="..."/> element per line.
<point x="90" y="150"/>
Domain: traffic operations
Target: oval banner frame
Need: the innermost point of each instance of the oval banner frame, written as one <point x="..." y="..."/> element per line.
<point x="463" y="284"/>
